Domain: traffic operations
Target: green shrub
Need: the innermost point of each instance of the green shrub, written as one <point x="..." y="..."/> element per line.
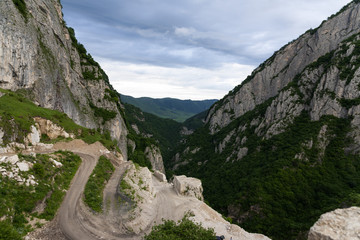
<point x="93" y="193"/>
<point x="21" y="6"/>
<point x="8" y="232"/>
<point x="105" y="114"/>
<point x="39" y="170"/>
<point x="182" y="230"/>
<point x="111" y="95"/>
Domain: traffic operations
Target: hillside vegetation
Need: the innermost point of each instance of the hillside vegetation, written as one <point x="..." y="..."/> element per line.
<point x="176" y="109"/>
<point x="164" y="133"/>
<point x="18" y="201"/>
<point x="276" y="167"/>
<point x="17" y="116"/>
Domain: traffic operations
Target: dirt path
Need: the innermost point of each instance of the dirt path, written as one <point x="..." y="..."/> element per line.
<point x="67" y="214"/>
<point x="74" y="220"/>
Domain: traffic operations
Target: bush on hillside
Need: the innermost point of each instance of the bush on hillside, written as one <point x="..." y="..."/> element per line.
<point x="184" y="229"/>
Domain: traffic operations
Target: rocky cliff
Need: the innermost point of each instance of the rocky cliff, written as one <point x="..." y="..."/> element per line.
<point x="272" y="148"/>
<point x="41" y="57"/>
<point x="154" y="155"/>
<point x="278" y="71"/>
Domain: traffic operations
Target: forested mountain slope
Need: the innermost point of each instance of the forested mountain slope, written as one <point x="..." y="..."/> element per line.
<point x="282" y="147"/>
<point x="176" y="109"/>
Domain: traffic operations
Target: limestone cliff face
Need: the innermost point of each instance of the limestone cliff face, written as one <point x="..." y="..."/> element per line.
<point x="317" y="73"/>
<point x="153" y="153"/>
<point x="274" y="74"/>
<point x="39" y="55"/>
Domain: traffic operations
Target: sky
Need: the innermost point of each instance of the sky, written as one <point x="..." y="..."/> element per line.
<point x="188" y="49"/>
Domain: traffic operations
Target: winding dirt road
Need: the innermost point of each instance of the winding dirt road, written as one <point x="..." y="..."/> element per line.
<point x="74" y="220"/>
<point x="67" y="215"/>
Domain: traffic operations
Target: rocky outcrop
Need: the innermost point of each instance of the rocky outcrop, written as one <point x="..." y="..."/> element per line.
<point x="160" y="176"/>
<point x="188" y="186"/>
<point x="34" y="136"/>
<point x="40" y="55"/>
<point x="14" y="168"/>
<point x="153" y="154"/>
<point x="48" y="128"/>
<point x="274" y="74"/>
<point x="341" y="224"/>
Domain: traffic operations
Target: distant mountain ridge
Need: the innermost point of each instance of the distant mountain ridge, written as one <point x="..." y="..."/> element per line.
<point x="176" y="109"/>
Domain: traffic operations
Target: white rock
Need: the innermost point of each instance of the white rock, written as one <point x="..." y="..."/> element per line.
<point x="13" y="159"/>
<point x="51" y="129"/>
<point x="242" y="153"/>
<point x="3" y="159"/>
<point x="104" y="151"/>
<point x="34" y="136"/>
<point x="24" y="166"/>
<point x="160" y="176"/>
<point x="3" y="150"/>
<point x="341" y="224"/>
<point x="56" y="163"/>
<point x="43" y="146"/>
<point x="10" y="174"/>
<point x="19" y="179"/>
<point x="188" y="186"/>
<point x="14" y="146"/>
<point x="30" y="182"/>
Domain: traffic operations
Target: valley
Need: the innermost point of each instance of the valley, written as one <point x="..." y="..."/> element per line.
<point x="175" y="109"/>
<point x="275" y="158"/>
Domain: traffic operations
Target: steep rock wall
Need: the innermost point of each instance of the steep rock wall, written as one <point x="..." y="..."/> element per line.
<point x="274" y="74"/>
<point x="38" y="55"/>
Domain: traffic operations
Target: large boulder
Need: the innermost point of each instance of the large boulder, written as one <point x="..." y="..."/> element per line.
<point x="34" y="136"/>
<point x="341" y="224"/>
<point x="188" y="186"/>
<point x="51" y="129"/>
<point x="160" y="176"/>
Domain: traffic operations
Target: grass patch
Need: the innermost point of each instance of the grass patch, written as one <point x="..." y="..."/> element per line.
<point x="17" y="116"/>
<point x="95" y="186"/>
<point x="18" y="201"/>
<point x="71" y="163"/>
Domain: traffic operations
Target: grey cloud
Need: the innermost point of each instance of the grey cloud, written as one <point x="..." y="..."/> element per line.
<point x="164" y="33"/>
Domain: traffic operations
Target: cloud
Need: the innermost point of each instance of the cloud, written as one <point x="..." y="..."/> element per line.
<point x="205" y="35"/>
<point x="184" y="32"/>
<point x="183" y="83"/>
